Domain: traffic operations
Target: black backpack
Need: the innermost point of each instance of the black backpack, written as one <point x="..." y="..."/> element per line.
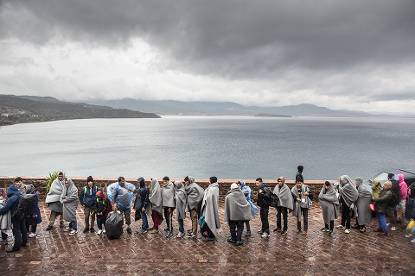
<point x="271" y="198"/>
<point x="23" y="206"/>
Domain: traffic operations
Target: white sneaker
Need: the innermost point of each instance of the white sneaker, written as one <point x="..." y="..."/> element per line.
<point x="340" y="226"/>
<point x="103" y="231"/>
<point x="413" y="241"/>
<point x="408" y="235"/>
<point x="180" y="235"/>
<point x="66" y="229"/>
<point x="347" y="231"/>
<point x="393" y="228"/>
<point x="264" y="235"/>
<point x="99" y="232"/>
<point x="32" y="235"/>
<point x="73" y="232"/>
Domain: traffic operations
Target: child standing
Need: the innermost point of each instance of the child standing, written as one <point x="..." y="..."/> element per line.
<point x="88" y="199"/>
<point x="34" y="218"/>
<point x="102" y="208"/>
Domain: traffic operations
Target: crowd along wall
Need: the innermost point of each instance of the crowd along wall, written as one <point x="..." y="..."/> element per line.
<point x="224" y="184"/>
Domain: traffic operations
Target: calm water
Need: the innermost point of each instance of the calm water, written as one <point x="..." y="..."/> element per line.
<point x="228" y="147"/>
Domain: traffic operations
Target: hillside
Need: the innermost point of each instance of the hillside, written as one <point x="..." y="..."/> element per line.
<point x="168" y="107"/>
<point x="23" y="109"/>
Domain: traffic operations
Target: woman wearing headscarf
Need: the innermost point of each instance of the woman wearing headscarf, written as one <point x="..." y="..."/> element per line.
<point x="180" y="196"/>
<point x="348" y="196"/>
<point x="237" y="211"/>
<point x="329" y="204"/>
<point x="285" y="203"/>
<point x="301" y="202"/>
<point x="246" y="190"/>
<point x="69" y="200"/>
<point x="363" y="201"/>
<point x="194" y="195"/>
<point x="156" y="202"/>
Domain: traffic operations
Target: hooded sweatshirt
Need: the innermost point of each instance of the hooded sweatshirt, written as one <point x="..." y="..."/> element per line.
<point x="403" y="187"/>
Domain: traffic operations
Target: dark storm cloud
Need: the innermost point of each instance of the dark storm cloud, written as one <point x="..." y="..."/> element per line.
<point x="235" y="39"/>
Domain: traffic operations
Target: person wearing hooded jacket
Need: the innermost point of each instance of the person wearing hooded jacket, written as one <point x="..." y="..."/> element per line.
<point x="17" y="220"/>
<point x="87" y="198"/>
<point x="246" y="190"/>
<point x="237" y="212"/>
<point x="102" y="208"/>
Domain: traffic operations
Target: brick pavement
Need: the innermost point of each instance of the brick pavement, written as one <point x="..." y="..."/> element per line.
<point x="56" y="253"/>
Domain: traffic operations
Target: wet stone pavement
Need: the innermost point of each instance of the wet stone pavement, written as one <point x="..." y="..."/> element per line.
<point x="56" y="253"/>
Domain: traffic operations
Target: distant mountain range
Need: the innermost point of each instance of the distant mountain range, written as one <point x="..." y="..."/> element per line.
<point x="167" y="107"/>
<point x="23" y="109"/>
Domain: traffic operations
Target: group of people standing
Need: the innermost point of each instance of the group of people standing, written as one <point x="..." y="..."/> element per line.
<point x="350" y="198"/>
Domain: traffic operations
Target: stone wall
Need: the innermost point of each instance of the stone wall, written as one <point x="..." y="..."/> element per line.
<point x="224" y="184"/>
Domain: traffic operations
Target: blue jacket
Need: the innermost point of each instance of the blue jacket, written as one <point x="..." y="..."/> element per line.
<point x="13" y="196"/>
<point x="121" y="195"/>
<point x="88" y="196"/>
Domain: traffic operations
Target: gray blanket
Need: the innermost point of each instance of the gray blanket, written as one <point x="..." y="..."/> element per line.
<point x="284" y="196"/>
<point x="364" y="214"/>
<point x="329" y="204"/>
<point x="194" y="196"/>
<point x="237" y="207"/>
<point x="167" y="192"/>
<point x="6" y="219"/>
<point x="210" y="207"/>
<point x="155" y="197"/>
<point x="55" y="192"/>
<point x="300" y="201"/>
<point x="69" y="200"/>
<point x="180" y="195"/>
<point x="349" y="193"/>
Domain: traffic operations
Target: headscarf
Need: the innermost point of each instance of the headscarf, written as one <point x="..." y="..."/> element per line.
<point x="363" y="188"/>
<point x="155" y="197"/>
<point x="348" y="190"/>
<point x="403" y="187"/>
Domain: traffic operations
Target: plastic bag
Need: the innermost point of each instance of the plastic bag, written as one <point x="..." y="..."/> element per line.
<point x="114" y="224"/>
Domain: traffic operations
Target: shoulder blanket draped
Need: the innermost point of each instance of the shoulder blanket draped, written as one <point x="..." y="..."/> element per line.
<point x="210" y="208"/>
<point x="237" y="207"/>
<point x="69" y="200"/>
<point x="284" y="196"/>
<point x="168" y="195"/>
<point x="329" y="203"/>
<point x="155" y="197"/>
<point x="349" y="194"/>
<point x="55" y="191"/>
<point x="180" y="196"/>
<point x="194" y="196"/>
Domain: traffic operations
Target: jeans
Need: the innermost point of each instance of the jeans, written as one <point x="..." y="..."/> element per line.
<point x="382" y="222"/>
<point x="73" y="225"/>
<point x="168" y="216"/>
<point x="101" y="221"/>
<point x="89" y="213"/>
<point x="157" y="219"/>
<point x="144" y="221"/>
<point x="194" y="216"/>
<point x="284" y="212"/>
<point x="236" y="227"/>
<point x="304" y="214"/>
<point x="345" y="214"/>
<point x="263" y="214"/>
<point x="181" y="225"/>
<point x="19" y="233"/>
<point x="53" y="216"/>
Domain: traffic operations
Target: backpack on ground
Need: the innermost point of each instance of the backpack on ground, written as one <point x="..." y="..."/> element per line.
<point x="114" y="224"/>
<point x="24" y="206"/>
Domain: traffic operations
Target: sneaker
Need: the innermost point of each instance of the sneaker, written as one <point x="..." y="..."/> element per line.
<point x="264" y="235"/>
<point x="85" y="230"/>
<point x="260" y="232"/>
<point x="73" y="232"/>
<point x="284" y="232"/>
<point x="50" y="227"/>
<point x="180" y="235"/>
<point x="169" y="235"/>
<point x="330" y="232"/>
<point x="66" y="229"/>
<point x="324" y="229"/>
<point x="62" y="224"/>
<point x="413" y="241"/>
<point x="129" y="230"/>
<point x="31" y="235"/>
<point x="92" y="230"/>
<point x="248" y="234"/>
<point x="191" y="235"/>
<point x="393" y="228"/>
<point x="347" y="231"/>
<point x="340" y="226"/>
<point x="408" y="235"/>
<point x="230" y="240"/>
<point x="142" y="232"/>
<point x="103" y="231"/>
<point x="238" y="243"/>
<point x="99" y="232"/>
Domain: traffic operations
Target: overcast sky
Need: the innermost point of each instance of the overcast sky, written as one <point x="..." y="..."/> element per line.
<point x="355" y="54"/>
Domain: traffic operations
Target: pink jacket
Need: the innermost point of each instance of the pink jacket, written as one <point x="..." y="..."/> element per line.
<point x="403" y="187"/>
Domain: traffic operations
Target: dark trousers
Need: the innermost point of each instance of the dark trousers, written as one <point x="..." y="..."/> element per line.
<point x="127" y="216"/>
<point x="144" y="221"/>
<point x="181" y="225"/>
<point x="345" y="214"/>
<point x="31" y="225"/>
<point x="284" y="212"/>
<point x="263" y="214"/>
<point x="89" y="214"/>
<point x="19" y="233"/>
<point x="236" y="227"/>
<point x="206" y="232"/>
<point x="53" y="216"/>
<point x="248" y="226"/>
<point x="331" y="227"/>
<point x="168" y="216"/>
<point x="304" y="214"/>
<point x="101" y="221"/>
<point x="156" y="218"/>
